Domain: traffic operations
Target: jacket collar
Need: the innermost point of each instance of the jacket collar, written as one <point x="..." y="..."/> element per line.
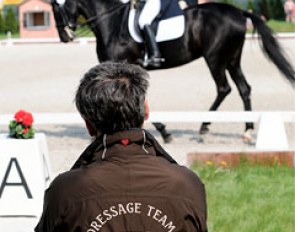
<point x="100" y="145"/>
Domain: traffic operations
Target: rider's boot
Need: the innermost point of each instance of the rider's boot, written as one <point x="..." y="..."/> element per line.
<point x="152" y="46"/>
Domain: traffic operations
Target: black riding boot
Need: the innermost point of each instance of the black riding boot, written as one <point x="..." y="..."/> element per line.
<point x="152" y="46"/>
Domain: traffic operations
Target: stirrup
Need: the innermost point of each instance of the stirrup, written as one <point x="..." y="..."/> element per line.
<point x="154" y="62"/>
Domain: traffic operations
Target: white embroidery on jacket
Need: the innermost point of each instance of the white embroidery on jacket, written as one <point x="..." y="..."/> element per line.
<point x="130" y="208"/>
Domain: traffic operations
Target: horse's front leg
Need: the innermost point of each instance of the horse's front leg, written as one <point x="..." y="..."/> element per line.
<point x="167" y="137"/>
<point x="223" y="89"/>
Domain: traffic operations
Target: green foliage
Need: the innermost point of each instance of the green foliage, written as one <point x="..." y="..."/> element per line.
<point x="84" y="30"/>
<point x="270" y="9"/>
<point x="256" y="7"/>
<point x="232" y="2"/>
<point x="226" y="1"/>
<point x="2" y="23"/>
<point x="4" y="36"/>
<point x="265" y="9"/>
<point x="81" y="20"/>
<point x="30" y="134"/>
<point x="278" y="10"/>
<point x="250" y="5"/>
<point x="249" y="198"/>
<point x="16" y="130"/>
<point x="11" y="23"/>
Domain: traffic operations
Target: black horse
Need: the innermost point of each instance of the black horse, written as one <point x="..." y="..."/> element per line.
<point x="214" y="31"/>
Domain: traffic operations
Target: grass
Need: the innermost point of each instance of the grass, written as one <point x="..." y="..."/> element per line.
<point x="4" y="36"/>
<point x="281" y="26"/>
<point x="278" y="26"/>
<point x="249" y="198"/>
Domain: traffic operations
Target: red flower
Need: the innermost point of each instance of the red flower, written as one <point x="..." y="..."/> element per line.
<point x="22" y="125"/>
<point x="28" y="119"/>
<point x="19" y="115"/>
<point x="24" y="117"/>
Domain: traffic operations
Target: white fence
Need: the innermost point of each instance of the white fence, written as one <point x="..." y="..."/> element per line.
<point x="271" y="133"/>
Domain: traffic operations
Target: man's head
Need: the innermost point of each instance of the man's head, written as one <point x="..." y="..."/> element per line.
<point x="111" y="97"/>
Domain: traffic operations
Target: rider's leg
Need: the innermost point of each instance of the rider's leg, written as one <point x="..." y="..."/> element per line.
<point x="152" y="46"/>
<point x="150" y="11"/>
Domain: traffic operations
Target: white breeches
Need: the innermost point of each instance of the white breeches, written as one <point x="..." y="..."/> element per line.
<point x="150" y="11"/>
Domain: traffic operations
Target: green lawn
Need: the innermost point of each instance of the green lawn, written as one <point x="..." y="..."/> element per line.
<point x="281" y="26"/>
<point x="249" y="198"/>
<point x="4" y="36"/>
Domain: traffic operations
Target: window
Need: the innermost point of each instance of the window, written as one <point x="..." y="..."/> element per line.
<point x="36" y="20"/>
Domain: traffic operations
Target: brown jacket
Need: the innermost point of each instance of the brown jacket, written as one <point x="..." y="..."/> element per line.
<point x="136" y="187"/>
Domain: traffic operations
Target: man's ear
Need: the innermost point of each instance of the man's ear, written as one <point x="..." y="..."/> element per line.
<point x="146" y="110"/>
<point x="90" y="128"/>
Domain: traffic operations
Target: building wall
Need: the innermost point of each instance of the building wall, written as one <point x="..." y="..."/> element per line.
<point x="36" y="6"/>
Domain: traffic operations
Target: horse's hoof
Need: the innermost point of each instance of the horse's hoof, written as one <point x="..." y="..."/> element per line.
<point x="201" y="139"/>
<point x="168" y="138"/>
<point x="247" y="136"/>
<point x="204" y="130"/>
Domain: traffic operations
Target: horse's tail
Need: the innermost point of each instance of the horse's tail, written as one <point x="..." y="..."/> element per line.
<point x="272" y="48"/>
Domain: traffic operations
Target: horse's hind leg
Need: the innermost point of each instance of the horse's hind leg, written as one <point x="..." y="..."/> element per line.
<point x="245" y="91"/>
<point x="223" y="89"/>
<point x="167" y="137"/>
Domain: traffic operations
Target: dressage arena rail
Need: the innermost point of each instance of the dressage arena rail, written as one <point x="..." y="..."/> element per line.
<point x="271" y="134"/>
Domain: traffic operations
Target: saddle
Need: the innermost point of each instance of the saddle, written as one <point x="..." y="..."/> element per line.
<point x="168" y="25"/>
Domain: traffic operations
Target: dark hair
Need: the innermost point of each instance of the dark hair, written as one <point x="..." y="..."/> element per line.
<point x="111" y="96"/>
